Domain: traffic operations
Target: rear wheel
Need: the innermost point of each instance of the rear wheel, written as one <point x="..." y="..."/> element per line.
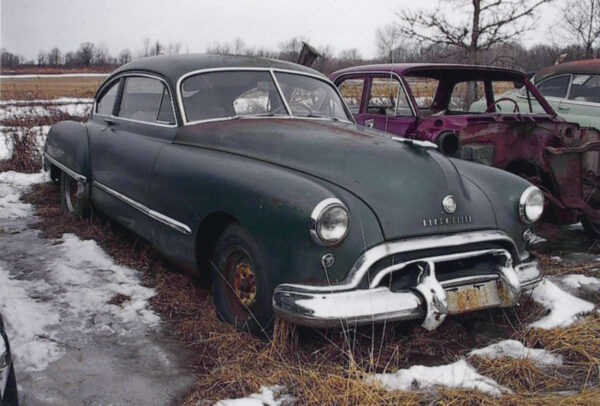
<point x="73" y="197"/>
<point x="241" y="291"/>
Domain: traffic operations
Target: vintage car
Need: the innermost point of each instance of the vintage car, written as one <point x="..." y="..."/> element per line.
<point x="253" y="170"/>
<point x="572" y="89"/>
<point x="8" y="383"/>
<point x="477" y="113"/>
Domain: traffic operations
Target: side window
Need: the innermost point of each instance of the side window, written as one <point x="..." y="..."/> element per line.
<point x="145" y="99"/>
<point x="555" y="87"/>
<point x="423" y="89"/>
<point x="585" y="88"/>
<point x="106" y="102"/>
<point x="464" y="94"/>
<point x="351" y="91"/>
<point x="387" y="97"/>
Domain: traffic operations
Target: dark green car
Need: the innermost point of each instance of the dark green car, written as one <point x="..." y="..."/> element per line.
<point x="255" y="171"/>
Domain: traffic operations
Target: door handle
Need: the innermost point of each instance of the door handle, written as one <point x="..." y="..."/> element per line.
<point x="369" y="123"/>
<point x="109" y="121"/>
<point x="564" y="108"/>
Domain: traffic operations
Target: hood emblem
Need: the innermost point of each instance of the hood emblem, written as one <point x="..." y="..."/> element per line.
<point x="449" y="204"/>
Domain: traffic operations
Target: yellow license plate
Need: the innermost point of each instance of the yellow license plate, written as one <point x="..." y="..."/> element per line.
<point x="463" y="299"/>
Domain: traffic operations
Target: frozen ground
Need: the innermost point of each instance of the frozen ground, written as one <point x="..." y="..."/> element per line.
<point x="70" y="345"/>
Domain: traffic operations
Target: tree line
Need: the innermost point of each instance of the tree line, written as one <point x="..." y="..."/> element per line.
<point x="488" y="32"/>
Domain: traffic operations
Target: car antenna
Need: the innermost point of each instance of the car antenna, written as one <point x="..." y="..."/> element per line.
<point x="387" y="117"/>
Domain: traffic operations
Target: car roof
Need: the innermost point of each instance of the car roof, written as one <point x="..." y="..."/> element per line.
<point x="173" y="67"/>
<point x="427" y="68"/>
<point x="586" y="67"/>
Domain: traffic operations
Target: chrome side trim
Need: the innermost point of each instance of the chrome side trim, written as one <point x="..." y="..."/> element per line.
<point x="182" y="228"/>
<point x="77" y="176"/>
<point x="366" y="260"/>
<point x="272" y="71"/>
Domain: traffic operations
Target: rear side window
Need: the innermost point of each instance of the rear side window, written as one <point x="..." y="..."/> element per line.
<point x="106" y="102"/>
<point x="465" y="94"/>
<point x="585" y="88"/>
<point x="351" y="91"/>
<point x="423" y="89"/>
<point x="555" y="87"/>
<point x="146" y="99"/>
<point x="387" y="97"/>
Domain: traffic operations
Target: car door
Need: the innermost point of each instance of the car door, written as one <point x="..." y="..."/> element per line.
<point x="582" y="104"/>
<point x="387" y="107"/>
<point x="352" y="89"/>
<point x="554" y="90"/>
<point x="124" y="145"/>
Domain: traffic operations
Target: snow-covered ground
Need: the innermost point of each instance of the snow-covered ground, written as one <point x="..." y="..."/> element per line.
<point x="267" y="396"/>
<point x="80" y="108"/>
<point x="515" y="349"/>
<point x="69" y="343"/>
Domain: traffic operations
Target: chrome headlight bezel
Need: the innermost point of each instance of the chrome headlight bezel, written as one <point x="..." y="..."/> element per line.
<point x="316" y="218"/>
<point x="525" y="200"/>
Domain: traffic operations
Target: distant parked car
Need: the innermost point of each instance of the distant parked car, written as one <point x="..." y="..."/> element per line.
<point x="478" y="113"/>
<point x="572" y="89"/>
<point x="8" y="382"/>
<point x="255" y="171"/>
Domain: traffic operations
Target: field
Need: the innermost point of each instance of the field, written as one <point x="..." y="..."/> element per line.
<point x="547" y="349"/>
<point x="44" y="88"/>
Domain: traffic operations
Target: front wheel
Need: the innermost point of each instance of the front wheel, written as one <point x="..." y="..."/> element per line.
<point x="73" y="198"/>
<point x="241" y="290"/>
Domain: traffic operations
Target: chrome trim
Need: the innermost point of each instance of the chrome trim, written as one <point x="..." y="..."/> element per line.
<point x="182" y="228"/>
<point x="427" y="300"/>
<point x="523" y="199"/>
<point x="280" y="92"/>
<point x="135" y="74"/>
<point x="316" y="214"/>
<point x="408" y="141"/>
<point x="439" y="258"/>
<point x="78" y="177"/>
<point x="390" y="73"/>
<point x="272" y="71"/>
<point x="365" y="261"/>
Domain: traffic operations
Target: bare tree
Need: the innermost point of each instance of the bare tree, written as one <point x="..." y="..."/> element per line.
<point x="351" y="55"/>
<point x="41" y="57"/>
<point x="290" y="49"/>
<point x="581" y="22"/>
<point x="146" y="47"/>
<point x="124" y="56"/>
<point x="173" y="48"/>
<point x="54" y="57"/>
<point x="387" y="39"/>
<point x="85" y="53"/>
<point x="101" y="55"/>
<point x="488" y="23"/>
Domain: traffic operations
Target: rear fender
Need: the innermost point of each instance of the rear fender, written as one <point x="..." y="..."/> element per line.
<point x="67" y="147"/>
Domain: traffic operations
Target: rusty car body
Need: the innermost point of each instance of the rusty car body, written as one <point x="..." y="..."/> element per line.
<point x="253" y="171"/>
<point x="479" y="114"/>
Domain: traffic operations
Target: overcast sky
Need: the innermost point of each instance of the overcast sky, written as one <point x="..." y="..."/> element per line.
<point x="28" y="26"/>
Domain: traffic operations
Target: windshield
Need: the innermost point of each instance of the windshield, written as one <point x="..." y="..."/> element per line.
<point x="245" y="94"/>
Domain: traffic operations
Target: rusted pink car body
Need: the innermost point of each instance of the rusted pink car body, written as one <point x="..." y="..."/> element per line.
<point x="471" y="112"/>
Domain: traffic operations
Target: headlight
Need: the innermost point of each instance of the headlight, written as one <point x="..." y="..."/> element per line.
<point x="329" y="222"/>
<point x="531" y="205"/>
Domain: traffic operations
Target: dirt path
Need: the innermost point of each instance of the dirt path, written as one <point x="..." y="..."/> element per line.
<point x="81" y="326"/>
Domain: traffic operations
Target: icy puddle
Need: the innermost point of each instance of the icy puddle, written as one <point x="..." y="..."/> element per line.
<point x="70" y="345"/>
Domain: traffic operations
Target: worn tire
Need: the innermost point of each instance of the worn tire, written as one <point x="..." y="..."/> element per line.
<point x="235" y="251"/>
<point x="72" y="201"/>
<point x="11" y="397"/>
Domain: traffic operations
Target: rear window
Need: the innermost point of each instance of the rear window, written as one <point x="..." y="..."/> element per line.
<point x="423" y="89"/>
<point x="585" y="88"/>
<point x="555" y="87"/>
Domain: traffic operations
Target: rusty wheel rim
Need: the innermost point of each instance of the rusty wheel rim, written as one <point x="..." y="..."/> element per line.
<point x="241" y="278"/>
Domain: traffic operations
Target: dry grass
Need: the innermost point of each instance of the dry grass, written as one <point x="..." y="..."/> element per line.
<point x="45" y="88"/>
<point x="328" y="367"/>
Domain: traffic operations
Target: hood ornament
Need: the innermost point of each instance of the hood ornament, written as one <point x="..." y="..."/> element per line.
<point x="449" y="204"/>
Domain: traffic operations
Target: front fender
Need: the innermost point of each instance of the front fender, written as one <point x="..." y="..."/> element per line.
<point x="272" y="202"/>
<point x="67" y="144"/>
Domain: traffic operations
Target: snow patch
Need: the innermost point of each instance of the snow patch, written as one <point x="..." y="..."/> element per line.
<point x="8" y="112"/>
<point x="515" y="349"/>
<point x="577" y="281"/>
<point x="267" y="396"/>
<point x="60" y="100"/>
<point x="6" y="138"/>
<point x="564" y="308"/>
<point x="28" y="322"/>
<point x="458" y="375"/>
<point x="12" y="186"/>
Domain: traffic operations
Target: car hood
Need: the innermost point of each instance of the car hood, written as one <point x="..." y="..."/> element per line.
<point x="403" y="184"/>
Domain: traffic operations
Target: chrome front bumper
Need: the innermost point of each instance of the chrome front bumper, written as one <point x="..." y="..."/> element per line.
<point x="347" y="303"/>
